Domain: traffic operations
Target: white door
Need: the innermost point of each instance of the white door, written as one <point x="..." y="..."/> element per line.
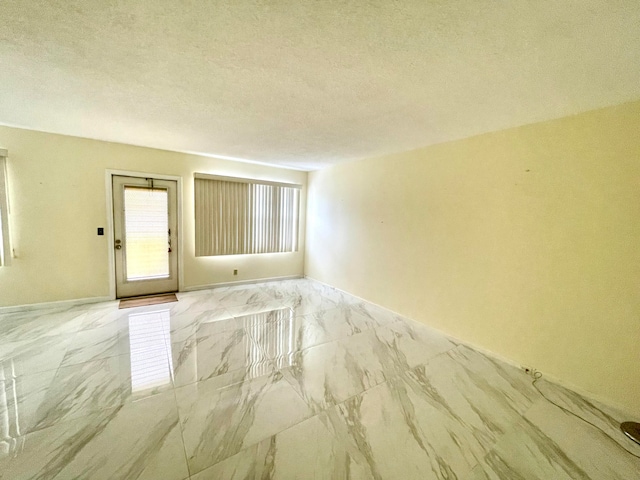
<point x="145" y="236"/>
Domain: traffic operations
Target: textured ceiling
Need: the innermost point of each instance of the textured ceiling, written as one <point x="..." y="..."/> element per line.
<point x="308" y="83"/>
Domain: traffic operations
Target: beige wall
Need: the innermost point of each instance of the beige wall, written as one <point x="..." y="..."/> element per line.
<point x="525" y="242"/>
<point x="58" y="199"/>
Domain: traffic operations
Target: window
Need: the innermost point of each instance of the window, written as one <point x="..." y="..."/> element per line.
<point x="5" y="247"/>
<point x="146" y="223"/>
<point x="240" y="216"/>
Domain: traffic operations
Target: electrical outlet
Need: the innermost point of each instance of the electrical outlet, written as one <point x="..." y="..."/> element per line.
<point x="235" y="272"/>
<point x="532" y="372"/>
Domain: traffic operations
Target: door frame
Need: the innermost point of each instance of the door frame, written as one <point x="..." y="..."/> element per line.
<point x="109" y="231"/>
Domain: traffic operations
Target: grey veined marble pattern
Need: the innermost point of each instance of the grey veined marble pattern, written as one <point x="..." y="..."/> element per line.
<point x="281" y="380"/>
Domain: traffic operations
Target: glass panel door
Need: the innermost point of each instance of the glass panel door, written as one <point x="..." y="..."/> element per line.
<point x="145" y="236"/>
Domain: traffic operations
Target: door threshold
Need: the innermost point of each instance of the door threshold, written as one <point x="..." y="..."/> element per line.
<point x="147" y="300"/>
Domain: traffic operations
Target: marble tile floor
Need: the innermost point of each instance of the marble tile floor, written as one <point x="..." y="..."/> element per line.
<point x="280" y="380"/>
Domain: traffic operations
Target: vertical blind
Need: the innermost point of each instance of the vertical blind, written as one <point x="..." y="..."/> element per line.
<point x="239" y="216"/>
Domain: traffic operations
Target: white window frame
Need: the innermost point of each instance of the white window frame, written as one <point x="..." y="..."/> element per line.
<point x="5" y="239"/>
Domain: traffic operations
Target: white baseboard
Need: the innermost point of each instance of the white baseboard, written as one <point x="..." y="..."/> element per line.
<point x="83" y="301"/>
<point x="56" y="304"/>
<point x="547" y="377"/>
<point x="242" y="282"/>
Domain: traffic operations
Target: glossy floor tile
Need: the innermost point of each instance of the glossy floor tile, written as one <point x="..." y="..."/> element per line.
<point x="284" y="380"/>
<point x="331" y="373"/>
<point x="140" y="440"/>
<point x="219" y="422"/>
<point x="231" y="354"/>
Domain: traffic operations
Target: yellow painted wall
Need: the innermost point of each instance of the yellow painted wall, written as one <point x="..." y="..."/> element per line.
<point x="525" y="242"/>
<point x="58" y="199"/>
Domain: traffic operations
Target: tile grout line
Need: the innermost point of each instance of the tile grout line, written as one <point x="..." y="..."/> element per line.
<point x="175" y="397"/>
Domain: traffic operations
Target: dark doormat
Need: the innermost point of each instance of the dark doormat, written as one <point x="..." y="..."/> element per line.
<point x="148" y="300"/>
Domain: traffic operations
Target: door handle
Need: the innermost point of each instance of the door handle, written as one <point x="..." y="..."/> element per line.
<point x="118" y="245"/>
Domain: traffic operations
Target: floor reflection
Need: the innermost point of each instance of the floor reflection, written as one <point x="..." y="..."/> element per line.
<point x="151" y="362"/>
<point x="274" y="333"/>
<point x="9" y="417"/>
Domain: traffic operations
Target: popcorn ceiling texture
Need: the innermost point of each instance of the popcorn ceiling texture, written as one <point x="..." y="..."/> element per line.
<point x="308" y="83"/>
